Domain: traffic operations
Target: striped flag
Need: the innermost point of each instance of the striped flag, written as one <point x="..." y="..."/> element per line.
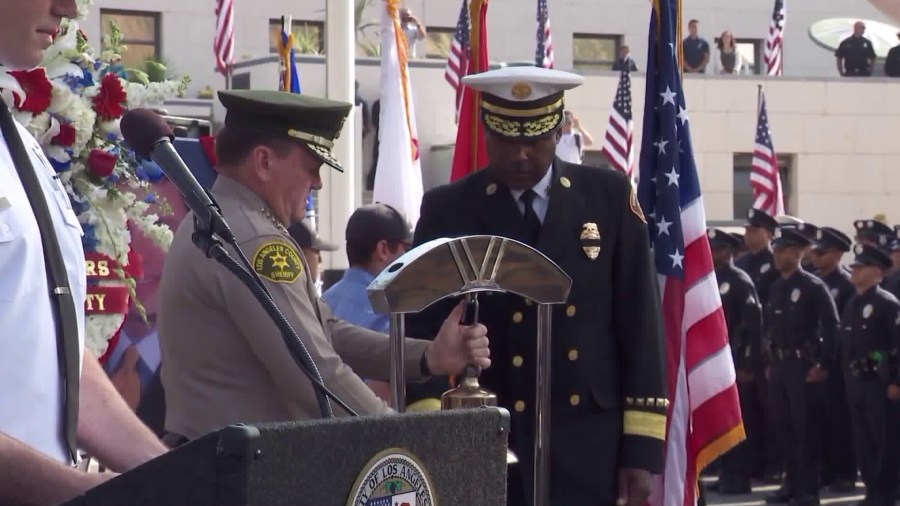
<point x="620" y="131"/>
<point x="458" y="60"/>
<point x="774" y="52"/>
<point x="223" y="45"/>
<point x="544" y="54"/>
<point x="290" y="79"/>
<point x="469" y="154"/>
<point x="398" y="175"/>
<point x="765" y="179"/>
<point x="705" y="416"/>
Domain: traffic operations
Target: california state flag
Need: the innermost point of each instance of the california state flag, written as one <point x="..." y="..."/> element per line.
<point x="398" y="177"/>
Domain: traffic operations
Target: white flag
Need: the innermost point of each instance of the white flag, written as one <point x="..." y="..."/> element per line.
<point x="398" y="176"/>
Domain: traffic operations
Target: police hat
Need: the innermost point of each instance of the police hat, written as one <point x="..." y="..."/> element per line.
<point x="522" y="102"/>
<point x="316" y="122"/>
<point x="739" y="236"/>
<point x="718" y="238"/>
<point x="888" y="244"/>
<point x="872" y="229"/>
<point x="307" y="238"/>
<point x="761" y="219"/>
<point x="377" y="222"/>
<point x="828" y="238"/>
<point x="785" y="237"/>
<point x="809" y="230"/>
<point x="870" y="256"/>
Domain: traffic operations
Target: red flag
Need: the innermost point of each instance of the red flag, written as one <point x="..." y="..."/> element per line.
<point x="470" y="154"/>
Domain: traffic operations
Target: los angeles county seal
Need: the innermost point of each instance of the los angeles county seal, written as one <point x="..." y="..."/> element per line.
<point x="393" y="477"/>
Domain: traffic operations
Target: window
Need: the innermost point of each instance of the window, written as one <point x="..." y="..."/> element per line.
<point x="140" y="33"/>
<point x="437" y="42"/>
<point x="595" y="52"/>
<point x="752" y="52"/>
<point x="743" y="191"/>
<point x="309" y="36"/>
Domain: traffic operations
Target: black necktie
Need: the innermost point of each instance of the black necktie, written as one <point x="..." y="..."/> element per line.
<point x="57" y="279"/>
<point x="532" y="222"/>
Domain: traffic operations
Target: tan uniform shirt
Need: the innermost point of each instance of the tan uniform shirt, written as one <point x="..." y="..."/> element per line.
<point x="225" y="362"/>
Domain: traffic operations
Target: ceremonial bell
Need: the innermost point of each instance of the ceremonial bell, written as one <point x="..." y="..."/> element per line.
<point x="466" y="266"/>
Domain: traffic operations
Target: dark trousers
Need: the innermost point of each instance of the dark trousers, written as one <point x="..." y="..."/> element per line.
<point x="738" y="462"/>
<point x="768" y="457"/>
<point x="839" y="457"/>
<point x="873" y="438"/>
<point x="788" y="396"/>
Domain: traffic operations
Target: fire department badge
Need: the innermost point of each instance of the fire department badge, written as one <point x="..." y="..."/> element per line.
<point x="590" y="240"/>
<point x="394" y="477"/>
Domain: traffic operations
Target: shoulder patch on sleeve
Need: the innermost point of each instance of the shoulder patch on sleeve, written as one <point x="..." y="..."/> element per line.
<point x="278" y="261"/>
<point x="636" y="206"/>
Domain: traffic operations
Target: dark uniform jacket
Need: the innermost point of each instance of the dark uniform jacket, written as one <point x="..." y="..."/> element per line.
<point x="891" y="283"/>
<point x="892" y="62"/>
<point x="800" y="315"/>
<point x="609" y="384"/>
<point x="743" y="315"/>
<point x="760" y="267"/>
<point x="870" y="330"/>
<point x="840" y="288"/>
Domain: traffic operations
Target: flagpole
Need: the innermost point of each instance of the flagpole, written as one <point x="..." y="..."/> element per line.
<point x="759" y="93"/>
<point x="228" y="73"/>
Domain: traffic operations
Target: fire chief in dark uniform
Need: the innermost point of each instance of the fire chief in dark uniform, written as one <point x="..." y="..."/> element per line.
<point x="743" y="316"/>
<point x="608" y="371"/>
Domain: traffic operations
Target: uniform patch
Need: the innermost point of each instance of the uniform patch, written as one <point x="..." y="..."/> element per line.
<point x="278" y="261"/>
<point x="636" y="206"/>
<point x="795" y="295"/>
<point x="765" y="268"/>
<point x="590" y="240"/>
<point x="867" y="311"/>
<point x="724" y="287"/>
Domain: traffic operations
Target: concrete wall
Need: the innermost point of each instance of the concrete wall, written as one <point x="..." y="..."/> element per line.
<point x="188" y="27"/>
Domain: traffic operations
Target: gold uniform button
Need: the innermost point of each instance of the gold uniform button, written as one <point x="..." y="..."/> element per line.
<point x="564" y="181"/>
<point x="491" y="189"/>
<point x="573" y="355"/>
<point x="517" y="361"/>
<point x="570" y="311"/>
<point x="575" y="399"/>
<point x="517" y="317"/>
<point x="520" y="406"/>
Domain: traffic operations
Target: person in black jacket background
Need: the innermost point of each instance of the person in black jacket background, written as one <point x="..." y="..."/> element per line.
<point x="892" y="62"/>
<point x="609" y="382"/>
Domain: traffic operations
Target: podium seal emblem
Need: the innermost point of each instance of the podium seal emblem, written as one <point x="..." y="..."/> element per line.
<point x="393" y="477"/>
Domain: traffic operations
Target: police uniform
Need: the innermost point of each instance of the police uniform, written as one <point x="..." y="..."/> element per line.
<point x="870" y="335"/>
<point x="801" y="326"/>
<point x="891" y="281"/>
<point x="871" y="231"/>
<point x="760" y="266"/>
<point x="608" y="366"/>
<point x="839" y="463"/>
<point x="743" y="317"/>
<point x="224" y="360"/>
<point x="856" y="52"/>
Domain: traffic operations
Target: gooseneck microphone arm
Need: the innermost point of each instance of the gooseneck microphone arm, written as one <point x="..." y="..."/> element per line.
<point x="150" y="138"/>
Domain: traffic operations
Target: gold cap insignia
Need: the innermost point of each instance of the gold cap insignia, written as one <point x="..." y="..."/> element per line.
<point x="521" y="90"/>
<point x="590" y="240"/>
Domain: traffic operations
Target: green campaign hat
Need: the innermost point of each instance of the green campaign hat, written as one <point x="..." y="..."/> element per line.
<point x="316" y="122"/>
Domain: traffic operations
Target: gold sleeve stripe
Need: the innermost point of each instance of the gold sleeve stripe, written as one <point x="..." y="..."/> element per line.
<point x="642" y="423"/>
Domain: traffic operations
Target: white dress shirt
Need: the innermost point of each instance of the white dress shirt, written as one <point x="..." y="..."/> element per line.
<point x="542" y="201"/>
<point x="30" y="381"/>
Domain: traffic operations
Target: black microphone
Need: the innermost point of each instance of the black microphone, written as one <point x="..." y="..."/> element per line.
<point x="148" y="134"/>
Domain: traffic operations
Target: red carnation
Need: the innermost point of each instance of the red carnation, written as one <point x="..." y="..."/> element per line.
<point x="65" y="137"/>
<point x="110" y="102"/>
<point x="38" y="89"/>
<point x="102" y="162"/>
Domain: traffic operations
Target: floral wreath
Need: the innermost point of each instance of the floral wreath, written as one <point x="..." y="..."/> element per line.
<point x="72" y="105"/>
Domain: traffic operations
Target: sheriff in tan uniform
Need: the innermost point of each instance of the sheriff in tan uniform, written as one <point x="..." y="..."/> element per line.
<point x="224" y="361"/>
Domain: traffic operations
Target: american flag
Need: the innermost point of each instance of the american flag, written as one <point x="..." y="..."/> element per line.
<point x="458" y="60"/>
<point x="774" y="52"/>
<point x="620" y="132"/>
<point x="223" y="45"/>
<point x="705" y="416"/>
<point x="766" y="182"/>
<point x="544" y="54"/>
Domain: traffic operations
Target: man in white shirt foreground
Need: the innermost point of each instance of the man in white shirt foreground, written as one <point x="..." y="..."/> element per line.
<point x="35" y="466"/>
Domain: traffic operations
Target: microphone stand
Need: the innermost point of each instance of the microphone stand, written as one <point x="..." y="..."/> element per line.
<point x="204" y="239"/>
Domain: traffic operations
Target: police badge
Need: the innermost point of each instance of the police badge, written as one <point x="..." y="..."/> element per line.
<point x="590" y="240"/>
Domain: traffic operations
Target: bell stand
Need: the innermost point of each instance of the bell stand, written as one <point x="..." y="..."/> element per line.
<point x="467" y="266"/>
